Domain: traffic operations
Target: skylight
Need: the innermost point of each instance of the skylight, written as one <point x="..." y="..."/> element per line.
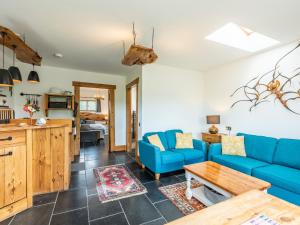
<point x="240" y="37"/>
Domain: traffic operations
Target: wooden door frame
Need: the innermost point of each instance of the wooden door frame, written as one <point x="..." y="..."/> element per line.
<point x="111" y="113"/>
<point x="129" y="117"/>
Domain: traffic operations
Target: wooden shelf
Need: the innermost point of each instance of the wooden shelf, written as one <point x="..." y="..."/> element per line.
<point x="58" y="95"/>
<point x="23" y="52"/>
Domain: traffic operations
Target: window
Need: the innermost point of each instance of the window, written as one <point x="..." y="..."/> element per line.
<point x="88" y="105"/>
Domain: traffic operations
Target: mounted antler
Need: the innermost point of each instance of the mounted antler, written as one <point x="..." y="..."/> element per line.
<point x="273" y="83"/>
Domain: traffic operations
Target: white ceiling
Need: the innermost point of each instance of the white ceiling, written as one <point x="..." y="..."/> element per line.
<point x="89" y="33"/>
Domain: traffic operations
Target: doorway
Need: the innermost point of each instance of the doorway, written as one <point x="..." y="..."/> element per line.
<point x="132" y="118"/>
<point x="79" y="114"/>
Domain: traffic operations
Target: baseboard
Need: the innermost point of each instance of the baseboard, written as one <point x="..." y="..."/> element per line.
<point x="119" y="148"/>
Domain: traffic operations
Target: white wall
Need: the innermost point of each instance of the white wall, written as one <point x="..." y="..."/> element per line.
<point x="270" y="119"/>
<point x="171" y="99"/>
<point x="62" y="78"/>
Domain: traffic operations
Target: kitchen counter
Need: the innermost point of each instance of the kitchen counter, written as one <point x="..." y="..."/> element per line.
<point x="33" y="160"/>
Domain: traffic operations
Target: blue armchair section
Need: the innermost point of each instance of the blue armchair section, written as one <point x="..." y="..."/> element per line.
<point x="171" y="159"/>
<point x="276" y="161"/>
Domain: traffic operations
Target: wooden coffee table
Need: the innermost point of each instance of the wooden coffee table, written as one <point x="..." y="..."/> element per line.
<point x="240" y="209"/>
<point x="220" y="179"/>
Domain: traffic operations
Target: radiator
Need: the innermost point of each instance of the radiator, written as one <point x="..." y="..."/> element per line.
<point x="6" y="115"/>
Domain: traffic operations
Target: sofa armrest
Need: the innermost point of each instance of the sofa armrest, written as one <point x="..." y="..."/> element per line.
<point x="200" y="145"/>
<point x="150" y="155"/>
<point x="214" y="149"/>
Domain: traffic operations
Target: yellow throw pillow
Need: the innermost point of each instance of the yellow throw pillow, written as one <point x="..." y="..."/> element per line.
<point x="184" y="140"/>
<point x="233" y="145"/>
<point x="155" y="140"/>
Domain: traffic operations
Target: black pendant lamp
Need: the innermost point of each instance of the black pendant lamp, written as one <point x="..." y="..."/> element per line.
<point x="5" y="76"/>
<point x="14" y="71"/>
<point x="33" y="76"/>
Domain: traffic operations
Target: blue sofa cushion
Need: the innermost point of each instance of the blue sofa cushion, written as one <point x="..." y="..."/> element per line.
<point x="280" y="176"/>
<point x="259" y="147"/>
<point x="171" y="137"/>
<point x="190" y="155"/>
<point x="240" y="163"/>
<point x="168" y="157"/>
<point x="161" y="135"/>
<point x="287" y="153"/>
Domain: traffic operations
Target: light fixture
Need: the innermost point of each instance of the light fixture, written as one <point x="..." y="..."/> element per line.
<point x="33" y="76"/>
<point x="58" y="55"/>
<point x="242" y="38"/>
<point x="5" y="76"/>
<point x="14" y="71"/>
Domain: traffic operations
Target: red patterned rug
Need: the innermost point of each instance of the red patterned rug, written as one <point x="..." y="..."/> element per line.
<point x="116" y="182"/>
<point x="176" y="193"/>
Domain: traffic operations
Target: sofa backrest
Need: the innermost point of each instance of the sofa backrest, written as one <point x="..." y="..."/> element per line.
<point x="161" y="135"/>
<point x="171" y="137"/>
<point x="259" y="147"/>
<point x="287" y="153"/>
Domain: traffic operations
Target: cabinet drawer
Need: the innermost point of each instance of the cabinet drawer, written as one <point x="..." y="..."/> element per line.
<point x="12" y="138"/>
<point x="211" y="138"/>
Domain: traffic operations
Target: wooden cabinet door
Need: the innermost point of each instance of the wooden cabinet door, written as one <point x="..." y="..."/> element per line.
<point x="41" y="161"/>
<point x="1" y="177"/>
<point x="14" y="174"/>
<point x="57" y="143"/>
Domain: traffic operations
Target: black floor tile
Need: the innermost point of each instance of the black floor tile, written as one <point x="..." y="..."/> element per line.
<point x="90" y="179"/>
<point x="133" y="166"/>
<point x="118" y="219"/>
<point x="98" y="209"/>
<point x="44" y="198"/>
<point x="143" y="175"/>
<point x="168" y="210"/>
<point x="92" y="191"/>
<point x="153" y="193"/>
<point x="139" y="209"/>
<point x="77" y="217"/>
<point x="36" y="215"/>
<point x="6" y="222"/>
<point x="78" y="166"/>
<point x="160" y="221"/>
<point x="78" y="181"/>
<point x="69" y="200"/>
<point x="170" y="180"/>
<point x="96" y="163"/>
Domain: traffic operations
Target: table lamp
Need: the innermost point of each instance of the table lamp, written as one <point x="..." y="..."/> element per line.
<point x="213" y="119"/>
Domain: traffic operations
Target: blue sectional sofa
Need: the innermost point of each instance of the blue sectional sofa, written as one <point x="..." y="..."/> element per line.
<point x="276" y="161"/>
<point x="171" y="159"/>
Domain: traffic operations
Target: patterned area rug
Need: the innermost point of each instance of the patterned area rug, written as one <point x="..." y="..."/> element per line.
<point x="116" y="182"/>
<point x="176" y="193"/>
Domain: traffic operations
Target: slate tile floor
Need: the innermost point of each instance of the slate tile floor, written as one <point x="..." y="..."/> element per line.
<point x="80" y="204"/>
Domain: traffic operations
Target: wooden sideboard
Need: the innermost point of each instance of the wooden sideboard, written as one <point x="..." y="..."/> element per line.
<point x="212" y="138"/>
<point x="33" y="160"/>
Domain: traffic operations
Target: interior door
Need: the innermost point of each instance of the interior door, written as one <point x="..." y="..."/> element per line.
<point x="77" y="119"/>
<point x="15" y="173"/>
<point x="1" y="177"/>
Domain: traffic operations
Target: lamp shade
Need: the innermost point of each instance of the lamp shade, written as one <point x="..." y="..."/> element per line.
<point x="213" y="119"/>
<point x="15" y="74"/>
<point x="33" y="77"/>
<point x="5" y="78"/>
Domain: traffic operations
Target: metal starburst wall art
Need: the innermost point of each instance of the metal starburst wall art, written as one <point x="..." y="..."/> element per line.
<point x="274" y="85"/>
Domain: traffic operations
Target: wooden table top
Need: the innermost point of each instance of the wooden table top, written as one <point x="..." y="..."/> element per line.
<point x="239" y="209"/>
<point x="228" y="179"/>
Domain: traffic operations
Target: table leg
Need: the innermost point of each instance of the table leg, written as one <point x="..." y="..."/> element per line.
<point x="188" y="192"/>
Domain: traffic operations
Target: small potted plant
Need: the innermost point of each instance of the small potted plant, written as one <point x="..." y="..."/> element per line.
<point x="31" y="109"/>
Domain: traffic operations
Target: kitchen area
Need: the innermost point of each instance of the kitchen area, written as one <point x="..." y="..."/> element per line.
<point x="36" y="150"/>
